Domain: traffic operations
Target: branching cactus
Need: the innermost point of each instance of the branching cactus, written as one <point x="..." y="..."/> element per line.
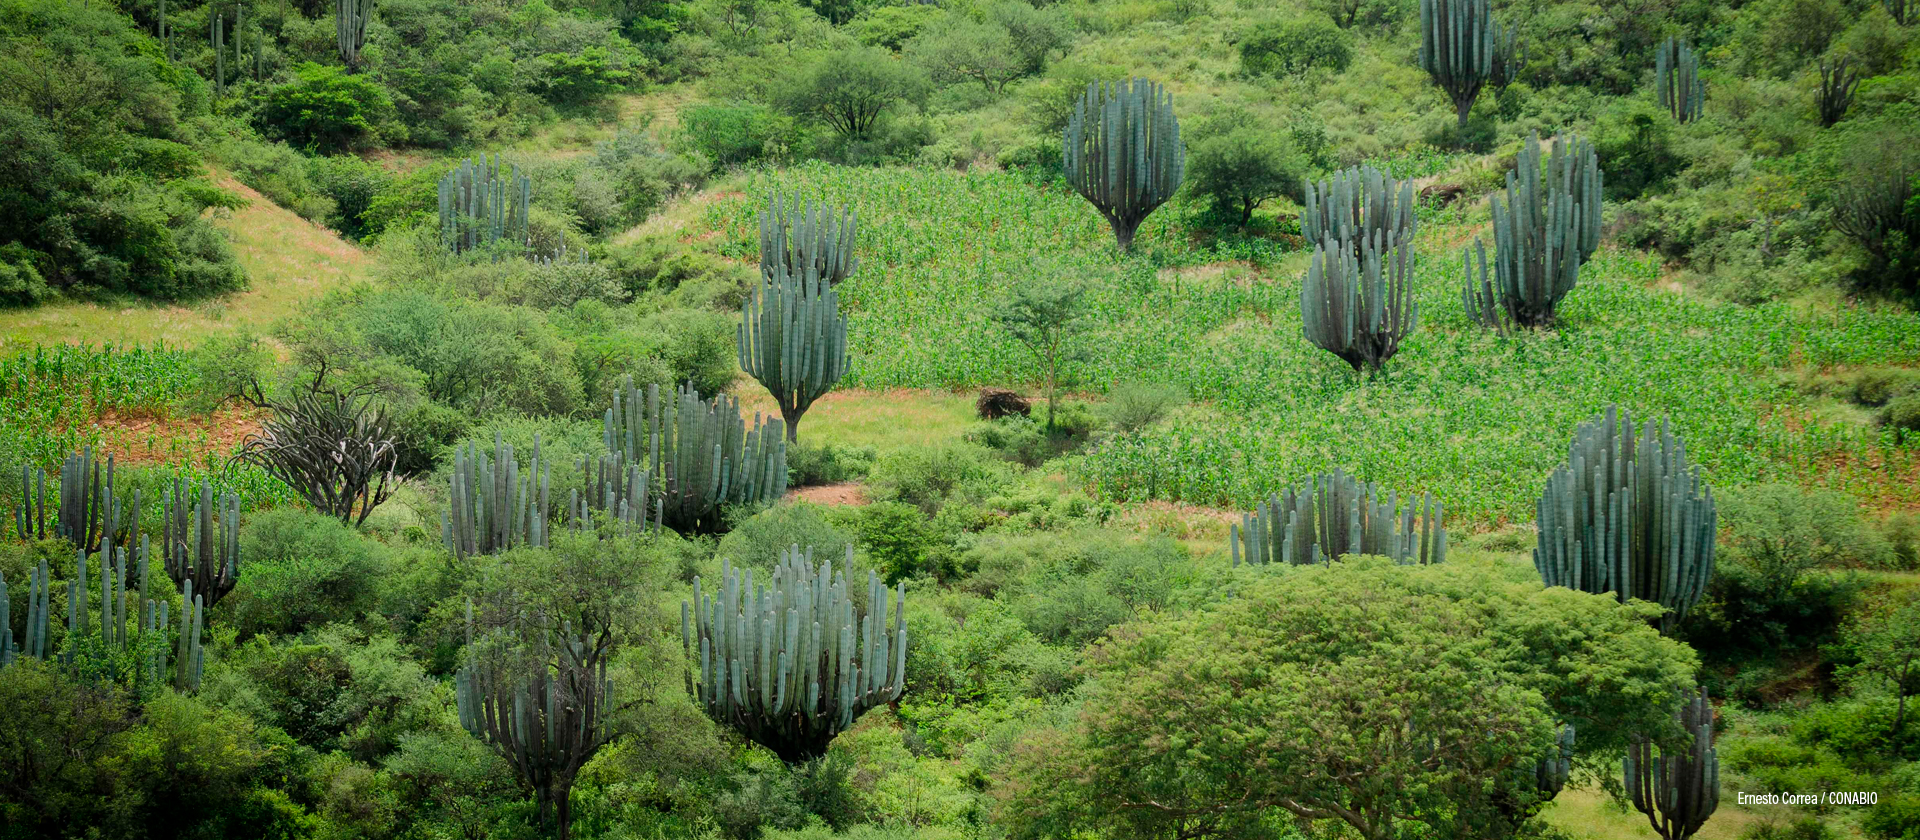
<point x="201" y="544"/>
<point x="1360" y="307"/>
<point x="798" y="236"/>
<point x="1837" y="83"/>
<point x="1677" y="73"/>
<point x="793" y="339"/>
<point x="350" y="28"/>
<point x="494" y="506"/>
<point x="1677" y="791"/>
<point x="618" y="488"/>
<point x="791" y="664"/>
<point x="701" y="452"/>
<point x="1334" y="515"/>
<point x="1628" y="515"/>
<point x="1122" y="152"/>
<point x="1548" y="226"/>
<point x="545" y="713"/>
<point x="1356" y="205"/>
<point x="481" y="205"/>
<point x="1459" y="42"/>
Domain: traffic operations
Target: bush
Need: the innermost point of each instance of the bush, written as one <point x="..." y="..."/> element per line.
<point x="1240" y="165"/>
<point x="1903" y="413"/>
<point x="1895" y="818"/>
<point x="353" y="184"/>
<point x="811" y="465"/>
<point x="757" y="541"/>
<point x="580" y="78"/>
<point x="1018" y="438"/>
<point x="1295" y="46"/>
<point x="850" y="91"/>
<point x="930" y="476"/>
<point x="326" y="109"/>
<point x="1132" y="406"/>
<point x="1878" y="386"/>
<point x="733" y="134"/>
<point x="895" y="537"/>
<point x="893" y="26"/>
<point x="299" y="570"/>
<point x="1804" y="828"/>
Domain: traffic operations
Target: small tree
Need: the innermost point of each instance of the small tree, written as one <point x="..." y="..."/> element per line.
<point x="325" y="109"/>
<point x="1886" y="638"/>
<point x="1045" y="315"/>
<point x="1012" y="41"/>
<point x="1294" y="46"/>
<point x="850" y="90"/>
<point x="1241" y="166"/>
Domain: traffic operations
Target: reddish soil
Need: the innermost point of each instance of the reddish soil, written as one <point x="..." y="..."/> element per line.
<point x="138" y="439"/>
<point x="845" y="493"/>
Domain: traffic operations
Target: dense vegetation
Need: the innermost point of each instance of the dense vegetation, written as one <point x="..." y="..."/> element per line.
<point x="1445" y="401"/>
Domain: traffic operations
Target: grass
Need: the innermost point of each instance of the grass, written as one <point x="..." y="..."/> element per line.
<point x="884" y="420"/>
<point x="1473" y="418"/>
<point x="1590" y="815"/>
<point x="287" y="259"/>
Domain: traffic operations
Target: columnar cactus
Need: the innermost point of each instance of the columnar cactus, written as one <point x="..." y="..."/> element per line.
<point x="1548" y="226"/>
<point x="797" y="236"/>
<point x="30" y="516"/>
<point x="1551" y="771"/>
<point x="793" y="339"/>
<point x="617" y="487"/>
<point x="1333" y="515"/>
<point x="546" y="716"/>
<point x="1677" y="791"/>
<point x="790" y="664"/>
<point x="481" y="205"/>
<point x="701" y="453"/>
<point x="201" y="545"/>
<point x="1356" y="205"/>
<point x="1837" y="84"/>
<point x="1628" y="515"/>
<point x="217" y="36"/>
<point x="107" y="628"/>
<point x="1122" y="152"/>
<point x="492" y="505"/>
<point x="350" y="28"/>
<point x="1459" y="42"/>
<point x="1677" y="73"/>
<point x="1360" y="307"/>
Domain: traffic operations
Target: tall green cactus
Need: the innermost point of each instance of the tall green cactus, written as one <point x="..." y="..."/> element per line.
<point x="492" y="505"/>
<point x="617" y="487"/>
<point x="546" y="715"/>
<point x="481" y="205"/>
<point x="1677" y="791"/>
<point x="106" y="627"/>
<point x="790" y="664"/>
<point x="1356" y="205"/>
<point x="1550" y="773"/>
<point x="793" y="339"/>
<point x="1677" y="75"/>
<point x="700" y="452"/>
<point x="1333" y="515"/>
<point x="217" y="36"/>
<point x="1548" y="226"/>
<point x="1835" y="95"/>
<point x="1122" y="152"/>
<point x="201" y="544"/>
<point x="1628" y="515"/>
<point x="1360" y="308"/>
<point x="1460" y="45"/>
<point x="350" y="28"/>
<point x="797" y="236"/>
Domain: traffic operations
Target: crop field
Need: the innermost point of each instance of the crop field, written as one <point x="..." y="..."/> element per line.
<point x="1474" y="418"/>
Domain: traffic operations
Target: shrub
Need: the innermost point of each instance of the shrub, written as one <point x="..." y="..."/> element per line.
<point x="758" y="540"/>
<point x="1781" y="531"/>
<point x="326" y="109"/>
<point x="300" y="570"/>
<point x="810" y="465"/>
<point x="733" y="134"/>
<point x="352" y="184"/>
<point x="580" y="78"/>
<point x="1295" y="46"/>
<point x="930" y="476"/>
<point x="1804" y="828"/>
<point x="1894" y="818"/>
<point x="850" y="91"/>
<point x="1017" y="438"/>
<point x="1241" y="165"/>
<point x="893" y="26"/>
<point x="1878" y="386"/>
<point x="1903" y="413"/>
<point x="1132" y="406"/>
<point x="1903" y="534"/>
<point x="895" y="537"/>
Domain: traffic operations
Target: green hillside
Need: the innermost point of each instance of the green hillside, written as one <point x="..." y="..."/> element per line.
<point x="444" y="354"/>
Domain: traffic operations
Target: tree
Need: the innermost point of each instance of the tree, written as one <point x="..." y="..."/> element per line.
<point x="960" y="50"/>
<point x="1045" y="316"/>
<point x="1294" y="46"/>
<point x="1242" y="165"/>
<point x="325" y="109"/>
<point x="850" y="90"/>
<point x="1361" y="693"/>
<point x="1886" y="639"/>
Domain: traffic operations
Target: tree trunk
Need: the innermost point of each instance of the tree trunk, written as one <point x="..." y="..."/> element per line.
<point x="1462" y="109"/>
<point x="792" y="419"/>
<point x="1123" y="233"/>
<point x="563" y="807"/>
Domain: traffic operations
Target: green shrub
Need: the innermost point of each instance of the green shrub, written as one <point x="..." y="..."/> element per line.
<point x="352" y="184"/>
<point x="1018" y="438"/>
<point x="810" y="464"/>
<point x="326" y="109"/>
<point x="893" y="26"/>
<point x="1903" y="534"/>
<point x="1132" y="406"/>
<point x="757" y="541"/>
<point x="895" y="537"/>
<point x="1856" y="729"/>
<point x="299" y="570"/>
<point x="1804" y="828"/>
<point x="930" y="476"/>
<point x="1296" y="45"/>
<point x="1878" y="386"/>
<point x="1240" y="165"/>
<point x="733" y="134"/>
<point x="1903" y="412"/>
<point x="850" y="92"/>
<point x="580" y="78"/>
<point x="1894" y="818"/>
<point x="1781" y="531"/>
